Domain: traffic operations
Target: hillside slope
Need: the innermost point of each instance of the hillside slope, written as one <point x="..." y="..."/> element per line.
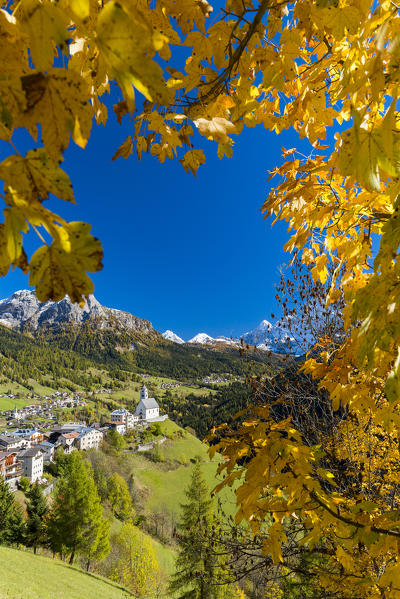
<point x="27" y="576"/>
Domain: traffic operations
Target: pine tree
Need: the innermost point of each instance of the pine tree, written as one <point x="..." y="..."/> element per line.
<point x="37" y="510"/>
<point x="17" y="526"/>
<point x="76" y="521"/>
<point x="196" y="574"/>
<point x="11" y="519"/>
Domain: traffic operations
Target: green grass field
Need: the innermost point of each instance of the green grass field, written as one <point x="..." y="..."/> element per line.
<point x="183" y="446"/>
<point x="130" y="392"/>
<point x="8" y="403"/>
<point x="166" y="487"/>
<point x="129" y="395"/>
<point x="165" y="557"/>
<point x="27" y="576"/>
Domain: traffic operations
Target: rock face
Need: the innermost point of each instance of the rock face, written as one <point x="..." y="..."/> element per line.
<point x="263" y="334"/>
<point x="23" y="311"/>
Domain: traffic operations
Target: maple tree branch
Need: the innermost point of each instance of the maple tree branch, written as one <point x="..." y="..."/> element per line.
<point x="390" y="532"/>
<point x="221" y="81"/>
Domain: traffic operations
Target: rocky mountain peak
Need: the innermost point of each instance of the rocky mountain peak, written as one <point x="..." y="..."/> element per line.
<point x="22" y="310"/>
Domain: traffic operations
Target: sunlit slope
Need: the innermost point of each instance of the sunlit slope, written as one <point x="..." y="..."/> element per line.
<point x="165" y="482"/>
<point x="27" y="576"/>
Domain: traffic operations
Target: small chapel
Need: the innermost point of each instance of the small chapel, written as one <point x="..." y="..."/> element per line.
<point x="147" y="408"/>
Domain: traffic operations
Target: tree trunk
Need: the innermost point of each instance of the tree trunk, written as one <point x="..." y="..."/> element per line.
<point x="88" y="565"/>
<point x="34" y="550"/>
<point x="71" y="559"/>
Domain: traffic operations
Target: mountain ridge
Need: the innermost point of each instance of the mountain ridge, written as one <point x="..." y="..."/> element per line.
<point x="266" y="336"/>
<point x="22" y="311"/>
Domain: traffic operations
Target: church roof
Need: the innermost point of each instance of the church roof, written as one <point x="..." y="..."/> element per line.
<point x="149" y="403"/>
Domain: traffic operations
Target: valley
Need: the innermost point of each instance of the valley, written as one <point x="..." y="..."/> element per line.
<point x="62" y="364"/>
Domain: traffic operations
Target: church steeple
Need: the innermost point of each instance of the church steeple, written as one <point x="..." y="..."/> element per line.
<point x="144" y="394"/>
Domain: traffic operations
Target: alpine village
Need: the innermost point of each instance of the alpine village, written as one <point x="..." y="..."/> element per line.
<point x="104" y="465"/>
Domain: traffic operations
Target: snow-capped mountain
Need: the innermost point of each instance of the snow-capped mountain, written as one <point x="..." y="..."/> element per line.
<point x="201" y="338"/>
<point x="269" y="337"/>
<point x="259" y="335"/>
<point x="22" y="310"/>
<point x="204" y="339"/>
<point x="266" y="336"/>
<point x="171" y="336"/>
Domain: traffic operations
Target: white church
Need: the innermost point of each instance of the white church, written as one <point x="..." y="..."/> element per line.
<point x="147" y="408"/>
<point x="147" y="411"/>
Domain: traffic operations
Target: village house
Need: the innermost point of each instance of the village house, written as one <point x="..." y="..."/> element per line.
<point x="124" y="416"/>
<point x="120" y="427"/>
<point x="67" y="441"/>
<point x="33" y="435"/>
<point x="9" y="442"/>
<point x="88" y="438"/>
<point x="48" y="451"/>
<point x="76" y="436"/>
<point x="32" y="463"/>
<point x="10" y="468"/>
<point x="147" y="408"/>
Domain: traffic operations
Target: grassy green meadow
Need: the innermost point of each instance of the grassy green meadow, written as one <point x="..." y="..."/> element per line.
<point x="165" y="482"/>
<point x="27" y="576"/>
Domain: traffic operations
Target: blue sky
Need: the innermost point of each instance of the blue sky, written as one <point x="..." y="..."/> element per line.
<point x="189" y="254"/>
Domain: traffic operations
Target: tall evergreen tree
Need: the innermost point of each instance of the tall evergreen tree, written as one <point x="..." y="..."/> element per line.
<point x="11" y="519"/>
<point x="37" y="510"/>
<point x="17" y="526"/>
<point x="197" y="566"/>
<point x="76" y="518"/>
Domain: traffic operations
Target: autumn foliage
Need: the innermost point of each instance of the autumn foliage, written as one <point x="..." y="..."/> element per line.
<point x="319" y="67"/>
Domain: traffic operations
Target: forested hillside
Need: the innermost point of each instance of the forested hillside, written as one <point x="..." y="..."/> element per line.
<point x="23" y="360"/>
<point x="202" y="413"/>
<point x="68" y="355"/>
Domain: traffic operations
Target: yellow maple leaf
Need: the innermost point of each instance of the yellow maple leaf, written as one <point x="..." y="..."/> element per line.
<point x="125" y="149"/>
<point x="59" y="102"/>
<point x="217" y="128"/>
<point x="192" y="160"/>
<point x="35" y="176"/>
<point x="46" y="25"/>
<point x="60" y="269"/>
<point x="128" y="43"/>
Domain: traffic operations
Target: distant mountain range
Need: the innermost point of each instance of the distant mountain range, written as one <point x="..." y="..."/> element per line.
<point x="113" y="339"/>
<point x="23" y="312"/>
<point x="266" y="336"/>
